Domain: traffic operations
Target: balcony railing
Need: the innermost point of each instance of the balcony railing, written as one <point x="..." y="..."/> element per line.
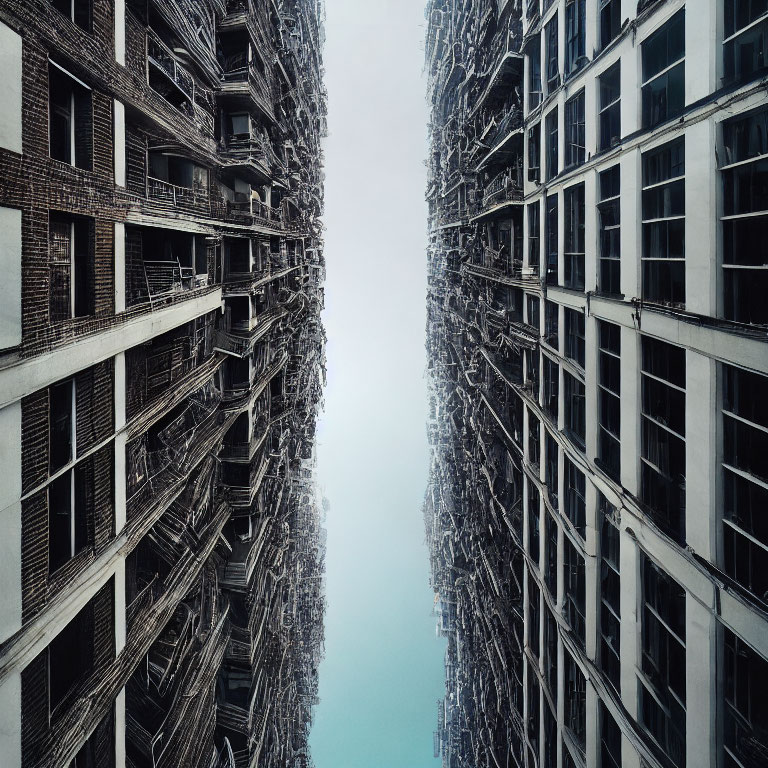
<point x="185" y="197"/>
<point x="162" y="57"/>
<point x="507" y="185"/>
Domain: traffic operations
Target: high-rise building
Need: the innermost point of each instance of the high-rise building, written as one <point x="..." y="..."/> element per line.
<point x="161" y="365"/>
<point x="599" y="359"/>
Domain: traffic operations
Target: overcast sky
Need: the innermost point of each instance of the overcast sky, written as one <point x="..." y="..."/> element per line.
<point x="383" y="670"/>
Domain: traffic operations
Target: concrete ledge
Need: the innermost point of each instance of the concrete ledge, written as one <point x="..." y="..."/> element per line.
<point x="26" y="376"/>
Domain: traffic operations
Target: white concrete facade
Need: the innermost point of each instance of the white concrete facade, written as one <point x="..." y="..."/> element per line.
<point x="697" y="328"/>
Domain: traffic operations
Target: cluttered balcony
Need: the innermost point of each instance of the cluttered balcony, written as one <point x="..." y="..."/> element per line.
<point x="163" y="263"/>
<point x="173" y="180"/>
<point x="175" y="83"/>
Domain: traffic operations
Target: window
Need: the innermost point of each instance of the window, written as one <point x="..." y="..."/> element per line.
<point x="574" y="237"/>
<point x="550" y="41"/>
<point x="551" y="128"/>
<point x="70" y="267"/>
<point x="575" y="40"/>
<point x="745" y="730"/>
<point x="534" y="602"/>
<point x="550" y="736"/>
<point x="608" y="398"/>
<point x="663" y="435"/>
<point x="745" y="479"/>
<point x="551" y="323"/>
<point x="61" y="399"/>
<point x="551" y="469"/>
<point x="534" y="74"/>
<point x="663" y="255"/>
<point x="610" y="593"/>
<point x="745" y="223"/>
<point x="70" y="114"/>
<point x="662" y="682"/>
<point x="610" y="740"/>
<point x="574" y="335"/>
<point x="575" y="496"/>
<point x="532" y="311"/>
<point x="79" y="11"/>
<point x="610" y="21"/>
<point x="663" y="87"/>
<point x="534" y="152"/>
<point x="575" y="418"/>
<point x="99" y="750"/>
<point x="533" y="709"/>
<point x="551" y="386"/>
<point x="67" y="522"/>
<point x="550" y="653"/>
<point x="532" y="371"/>
<point x="745" y="26"/>
<point x="552" y="248"/>
<point x="70" y="656"/>
<point x="575" y="701"/>
<point x="534" y="234"/>
<point x="574" y="130"/>
<point x="550" y="573"/>
<point x="533" y="521"/>
<point x="609" y="87"/>
<point x="609" y="216"/>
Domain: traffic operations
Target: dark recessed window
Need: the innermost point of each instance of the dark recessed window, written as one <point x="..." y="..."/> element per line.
<point x="67" y="521"/>
<point x="662" y="424"/>
<point x="533" y="516"/>
<point x="70" y="656"/>
<point x="663" y="255"/>
<point x="575" y="419"/>
<point x="550" y="653"/>
<point x="610" y="21"/>
<point x="575" y="496"/>
<point x="70" y="111"/>
<point x="609" y="88"/>
<point x="550" y="42"/>
<point x="551" y="324"/>
<point x="610" y="740"/>
<point x="534" y="74"/>
<point x="550" y="470"/>
<point x="574" y="130"/>
<point x="79" y="11"/>
<point x="551" y="131"/>
<point x="745" y="731"/>
<point x="551" y="384"/>
<point x="574" y="335"/>
<point x="662" y="679"/>
<point x="534" y="612"/>
<point x="745" y="479"/>
<point x="575" y="714"/>
<point x="574" y="214"/>
<point x="744" y="172"/>
<point x="61" y="398"/>
<point x="71" y="265"/>
<point x="575" y="35"/>
<point x="745" y="42"/>
<point x="552" y="246"/>
<point x="609" y="217"/>
<point x="550" y="572"/>
<point x="663" y="87"/>
<point x="534" y="235"/>
<point x="534" y="152"/>
<point x="610" y="593"/>
<point x="608" y="398"/>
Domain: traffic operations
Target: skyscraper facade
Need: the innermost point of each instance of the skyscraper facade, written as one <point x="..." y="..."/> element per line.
<point x="599" y="371"/>
<point x="161" y="365"/>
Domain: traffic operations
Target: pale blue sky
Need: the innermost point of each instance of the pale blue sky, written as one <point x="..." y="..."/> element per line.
<point x="383" y="671"/>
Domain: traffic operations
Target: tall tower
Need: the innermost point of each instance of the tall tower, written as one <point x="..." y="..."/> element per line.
<point x="598" y="394"/>
<point x="161" y="364"/>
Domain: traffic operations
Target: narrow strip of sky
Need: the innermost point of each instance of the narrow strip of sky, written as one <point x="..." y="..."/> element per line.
<point x="383" y="670"/>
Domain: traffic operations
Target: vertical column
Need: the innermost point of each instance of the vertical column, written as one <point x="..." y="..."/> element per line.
<point x="629" y="389"/>
<point x="630" y="237"/>
<point x="119" y="142"/>
<point x="120" y="519"/>
<point x="119" y="267"/>
<point x="10" y="285"/>
<point x="10" y="520"/>
<point x="120" y="730"/>
<point x="631" y="594"/>
<point x="701" y="227"/>
<point x="593" y="723"/>
<point x="700" y="453"/>
<point x="591" y="232"/>
<point x="10" y="720"/>
<point x="700" y="683"/>
<point x="120" y="31"/>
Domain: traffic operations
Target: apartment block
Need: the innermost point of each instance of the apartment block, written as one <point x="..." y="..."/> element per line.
<point x="161" y="366"/>
<point x="599" y="367"/>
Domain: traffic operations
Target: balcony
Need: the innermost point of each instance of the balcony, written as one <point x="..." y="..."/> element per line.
<point x="506" y="186"/>
<point x="242" y="480"/>
<point x="177" y="86"/>
<point x="162" y="262"/>
<point x="243" y="79"/>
